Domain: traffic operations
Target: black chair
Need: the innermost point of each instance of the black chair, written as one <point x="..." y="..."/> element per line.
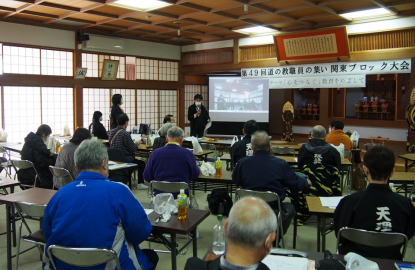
<point x="120" y="175"/>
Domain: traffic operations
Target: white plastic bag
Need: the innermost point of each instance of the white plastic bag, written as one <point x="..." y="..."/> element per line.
<point x="51" y="144"/>
<point x="66" y="131"/>
<point x="355" y="137"/>
<point x="164" y="203"/>
<point x="357" y="262"/>
<point x="234" y="140"/>
<point x="207" y="169"/>
<point x="3" y="135"/>
<point x="197" y="149"/>
<point x="340" y="148"/>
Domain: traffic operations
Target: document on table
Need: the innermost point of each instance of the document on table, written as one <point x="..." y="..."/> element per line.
<point x="331" y="202"/>
<point x="285" y="263"/>
<point x="114" y="166"/>
<point x="296" y="159"/>
<point x="148" y="211"/>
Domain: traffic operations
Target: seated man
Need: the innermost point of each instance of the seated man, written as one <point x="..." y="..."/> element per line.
<point x="121" y="139"/>
<point x="317" y="151"/>
<point x="376" y="208"/>
<point x="337" y="136"/>
<point x="250" y="230"/>
<point x="242" y="148"/>
<point x="172" y="163"/>
<point x="265" y="172"/>
<point x="95" y="212"/>
<point x="161" y="141"/>
<point x="169" y="119"/>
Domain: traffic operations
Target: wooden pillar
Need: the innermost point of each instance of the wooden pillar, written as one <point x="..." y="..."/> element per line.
<point x="236" y="51"/>
<point x="324" y="107"/>
<point x="78" y="90"/>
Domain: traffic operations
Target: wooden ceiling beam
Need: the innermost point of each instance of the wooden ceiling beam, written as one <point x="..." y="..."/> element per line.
<point x="330" y="2"/>
<point x="383" y="5"/>
<point x="400" y="3"/>
<point x="7" y="9"/>
<point x="325" y="8"/>
<point x="58" y="6"/>
<point x="315" y="16"/>
<point x="22" y="8"/>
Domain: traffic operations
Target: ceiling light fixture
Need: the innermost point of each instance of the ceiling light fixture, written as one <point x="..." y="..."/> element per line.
<point x="255" y="30"/>
<point x="365" y="13"/>
<point x="140" y="5"/>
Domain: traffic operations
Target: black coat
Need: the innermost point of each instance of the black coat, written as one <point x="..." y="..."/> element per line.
<point x="196" y="263"/>
<point x="200" y="121"/>
<point x="241" y="149"/>
<point x="363" y="210"/>
<point x="98" y="130"/>
<point x="115" y="111"/>
<point x="318" y="152"/>
<point x="35" y="151"/>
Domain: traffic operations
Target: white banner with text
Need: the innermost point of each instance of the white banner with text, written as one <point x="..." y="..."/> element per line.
<point x="329" y="81"/>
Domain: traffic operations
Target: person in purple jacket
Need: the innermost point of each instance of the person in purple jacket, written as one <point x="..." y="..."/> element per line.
<point x="172" y="163"/>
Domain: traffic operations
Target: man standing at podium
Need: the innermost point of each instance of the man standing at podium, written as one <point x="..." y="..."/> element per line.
<point x="198" y="117"/>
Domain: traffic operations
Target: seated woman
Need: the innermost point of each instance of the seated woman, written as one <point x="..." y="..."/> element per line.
<point x="34" y="150"/>
<point x="97" y="128"/>
<point x="66" y="157"/>
<point x="161" y="141"/>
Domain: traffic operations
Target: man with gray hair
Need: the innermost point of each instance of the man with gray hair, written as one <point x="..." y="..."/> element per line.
<point x="265" y="172"/>
<point x="161" y="141"/>
<point x="250" y="230"/>
<point x="318" y="151"/>
<point x="172" y="163"/>
<point x="95" y="212"/>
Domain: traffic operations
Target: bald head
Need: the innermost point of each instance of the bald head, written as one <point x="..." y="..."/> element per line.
<point x="251" y="221"/>
<point x="318" y="132"/>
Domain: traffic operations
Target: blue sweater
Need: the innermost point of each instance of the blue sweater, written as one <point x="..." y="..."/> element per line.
<point x="171" y="163"/>
<point x="94" y="212"/>
<point x="265" y="172"/>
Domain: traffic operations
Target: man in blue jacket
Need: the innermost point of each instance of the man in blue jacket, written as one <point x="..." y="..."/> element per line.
<point x="265" y="172"/>
<point x="95" y="212"/>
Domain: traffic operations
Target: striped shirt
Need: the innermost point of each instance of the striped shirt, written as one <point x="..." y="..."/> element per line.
<point x="123" y="141"/>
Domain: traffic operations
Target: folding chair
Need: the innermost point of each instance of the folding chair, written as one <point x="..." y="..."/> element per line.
<point x="346" y="173"/>
<point x="267" y="196"/>
<point x="82" y="257"/>
<point x="59" y="172"/>
<point x="373" y="239"/>
<point x="25" y="164"/>
<point x="6" y="165"/>
<point x="29" y="211"/>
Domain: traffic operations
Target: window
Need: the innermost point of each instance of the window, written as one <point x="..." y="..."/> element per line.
<point x="22" y="111"/>
<point x="168" y="71"/>
<point x="189" y="93"/>
<point x="57" y="108"/>
<point x="96" y="99"/>
<point x="58" y="63"/>
<point x="90" y="61"/>
<point x="21" y="60"/>
<point x="147" y="69"/>
<point x="168" y="104"/>
<point x="148" y="107"/>
<point x="129" y="104"/>
<point x="1" y="59"/>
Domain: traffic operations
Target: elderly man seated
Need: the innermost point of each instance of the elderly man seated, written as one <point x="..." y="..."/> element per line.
<point x="250" y="230"/>
<point x="95" y="212"/>
<point x="172" y="163"/>
<point x="161" y="141"/>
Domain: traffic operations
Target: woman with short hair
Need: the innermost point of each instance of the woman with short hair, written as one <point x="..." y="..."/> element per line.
<point x="96" y="128"/>
<point x="116" y="110"/>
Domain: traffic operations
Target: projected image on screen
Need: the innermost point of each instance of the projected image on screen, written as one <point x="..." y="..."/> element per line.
<point x="234" y="99"/>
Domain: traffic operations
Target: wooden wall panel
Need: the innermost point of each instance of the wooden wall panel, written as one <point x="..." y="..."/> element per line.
<point x="383" y="40"/>
<point x="208" y="57"/>
<point x="277" y="99"/>
<point x="258" y="52"/>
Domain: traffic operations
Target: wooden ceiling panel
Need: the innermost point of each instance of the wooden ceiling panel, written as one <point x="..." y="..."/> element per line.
<point x="184" y="24"/>
<point x="235" y="24"/>
<point x="113" y="10"/>
<point x="239" y="11"/>
<point x="212" y="3"/>
<point x="352" y="6"/>
<point x="123" y="23"/>
<point x="283" y="4"/>
<point x="73" y="3"/>
<point x="176" y="10"/>
<point x="286" y="24"/>
<point x="406" y="7"/>
<point x="47" y="10"/>
<point x="208" y="29"/>
<point x="29" y="17"/>
<point x="152" y="18"/>
<point x="208" y="17"/>
<point x="306" y="12"/>
<point x="89" y="17"/>
<point x="11" y="4"/>
<point x="325" y="19"/>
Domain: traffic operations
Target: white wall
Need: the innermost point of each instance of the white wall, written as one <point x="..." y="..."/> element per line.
<point x="146" y="49"/>
<point x="208" y="46"/>
<point x="394" y="134"/>
<point x="38" y="36"/>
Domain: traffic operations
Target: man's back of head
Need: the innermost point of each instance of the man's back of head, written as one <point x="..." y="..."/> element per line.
<point x="175" y="134"/>
<point x="90" y="156"/>
<point x="260" y="141"/>
<point x="250" y="127"/>
<point x="379" y="163"/>
<point x="337" y="124"/>
<point x="318" y="132"/>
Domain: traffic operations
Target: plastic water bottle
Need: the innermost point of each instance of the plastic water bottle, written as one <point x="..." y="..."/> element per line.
<point x="182" y="205"/>
<point x="218" y="168"/>
<point x="219" y="237"/>
<point x="392" y="187"/>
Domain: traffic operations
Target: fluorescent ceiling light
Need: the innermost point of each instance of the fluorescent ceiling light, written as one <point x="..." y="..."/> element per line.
<point x="255" y="30"/>
<point x="140" y="5"/>
<point x="366" y="13"/>
<point x="234" y="90"/>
